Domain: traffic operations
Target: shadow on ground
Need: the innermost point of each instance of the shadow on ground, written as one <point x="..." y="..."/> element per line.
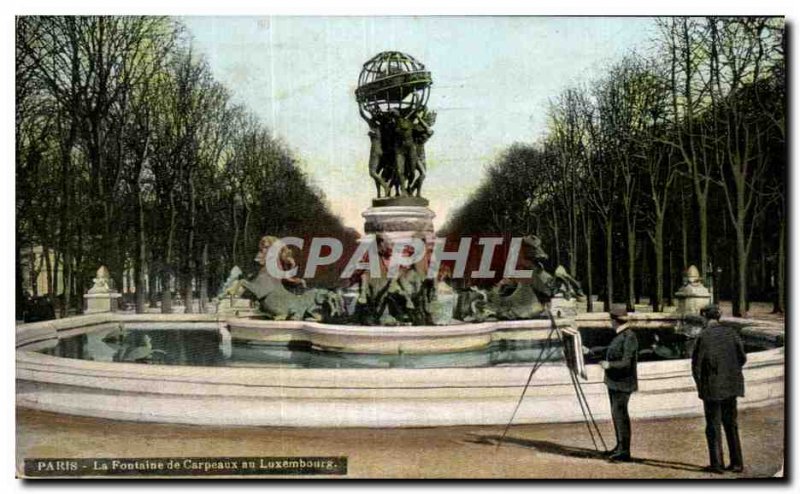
<point x="552" y="448"/>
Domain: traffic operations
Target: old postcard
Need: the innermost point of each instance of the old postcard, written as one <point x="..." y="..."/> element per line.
<point x="498" y="247"/>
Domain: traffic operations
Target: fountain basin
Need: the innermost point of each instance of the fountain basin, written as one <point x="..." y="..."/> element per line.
<point x="390" y="339"/>
<point x="345" y="397"/>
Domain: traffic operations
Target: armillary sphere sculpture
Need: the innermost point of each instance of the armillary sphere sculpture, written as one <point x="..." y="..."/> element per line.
<point x="392" y="94"/>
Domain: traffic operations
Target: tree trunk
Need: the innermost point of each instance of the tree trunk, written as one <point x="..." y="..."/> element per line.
<point x="54" y="286"/>
<point x="191" y="264"/>
<point x="48" y="266"/>
<point x="588" y="240"/>
<point x="20" y="299"/>
<point x="573" y="249"/>
<point x="630" y="305"/>
<point x="78" y="277"/>
<point x="781" y="270"/>
<point x="186" y="290"/>
<point x="64" y="239"/>
<point x="67" y="281"/>
<point x="684" y="235"/>
<point x="128" y="280"/>
<point x="556" y="240"/>
<point x="66" y="213"/>
<point x="732" y="288"/>
<point x="641" y="286"/>
<point x="741" y="261"/>
<point x="140" y="254"/>
<point x="166" y="293"/>
<point x="235" y="243"/>
<point x="658" y="247"/>
<point x="166" y="275"/>
<point x="109" y="255"/>
<point x="703" y="217"/>
<point x="609" y="269"/>
<point x="204" y="280"/>
<point x="33" y="273"/>
<point x="763" y="282"/>
<point x="153" y="264"/>
<point x="670" y="279"/>
<point x="245" y="235"/>
<point x="152" y="286"/>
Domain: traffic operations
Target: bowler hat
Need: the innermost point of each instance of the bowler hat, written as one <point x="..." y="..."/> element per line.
<point x="618" y="313"/>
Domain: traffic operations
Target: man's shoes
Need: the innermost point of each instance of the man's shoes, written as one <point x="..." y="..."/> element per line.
<point x="735" y="468"/>
<point x="714" y="469"/>
<point x="620" y="457"/>
<point x="611" y="452"/>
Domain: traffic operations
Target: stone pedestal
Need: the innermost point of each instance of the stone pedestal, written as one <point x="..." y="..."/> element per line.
<point x="101" y="297"/>
<point x="693" y="295"/>
<point x="399" y="221"/>
<point x="390" y="225"/>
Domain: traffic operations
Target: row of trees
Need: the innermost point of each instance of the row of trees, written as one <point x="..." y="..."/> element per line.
<point x="669" y="160"/>
<point x="131" y="155"/>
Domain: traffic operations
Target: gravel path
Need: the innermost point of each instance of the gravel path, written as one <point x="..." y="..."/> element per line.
<point x="666" y="448"/>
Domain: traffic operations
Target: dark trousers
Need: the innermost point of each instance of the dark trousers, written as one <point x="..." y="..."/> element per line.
<point x="722" y="414"/>
<point x="622" y="421"/>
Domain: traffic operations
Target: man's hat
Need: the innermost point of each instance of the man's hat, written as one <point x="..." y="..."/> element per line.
<point x="711" y="311"/>
<point x="618" y="313"/>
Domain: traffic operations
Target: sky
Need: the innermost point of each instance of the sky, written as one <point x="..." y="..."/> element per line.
<point x="493" y="80"/>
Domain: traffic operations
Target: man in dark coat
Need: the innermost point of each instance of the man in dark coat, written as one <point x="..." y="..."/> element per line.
<point x="717" y="362"/>
<point x="621" y="380"/>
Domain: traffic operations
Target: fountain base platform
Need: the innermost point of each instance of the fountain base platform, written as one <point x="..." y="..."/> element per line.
<point x="349" y="397"/>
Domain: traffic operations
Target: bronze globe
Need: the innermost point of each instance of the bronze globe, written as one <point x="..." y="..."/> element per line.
<point x="392" y="80"/>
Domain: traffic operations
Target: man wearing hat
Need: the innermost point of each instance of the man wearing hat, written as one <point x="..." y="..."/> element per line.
<point x="717" y="362"/>
<point x="621" y="380"/>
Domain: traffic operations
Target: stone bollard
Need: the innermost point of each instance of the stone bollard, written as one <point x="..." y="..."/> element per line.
<point x="693" y="296"/>
<point x="101" y="297"/>
<point x="234" y="306"/>
<point x="562" y="307"/>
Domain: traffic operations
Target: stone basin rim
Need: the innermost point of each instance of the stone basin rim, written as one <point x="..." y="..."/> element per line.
<point x="396" y="331"/>
<point x="349" y="397"/>
<point x="39" y="331"/>
<point x="282" y="383"/>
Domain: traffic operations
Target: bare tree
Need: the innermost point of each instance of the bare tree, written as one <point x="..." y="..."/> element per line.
<point x="683" y="41"/>
<point x="602" y="179"/>
<point x="743" y="134"/>
<point x="623" y="100"/>
<point x="566" y="142"/>
<point x="659" y="170"/>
